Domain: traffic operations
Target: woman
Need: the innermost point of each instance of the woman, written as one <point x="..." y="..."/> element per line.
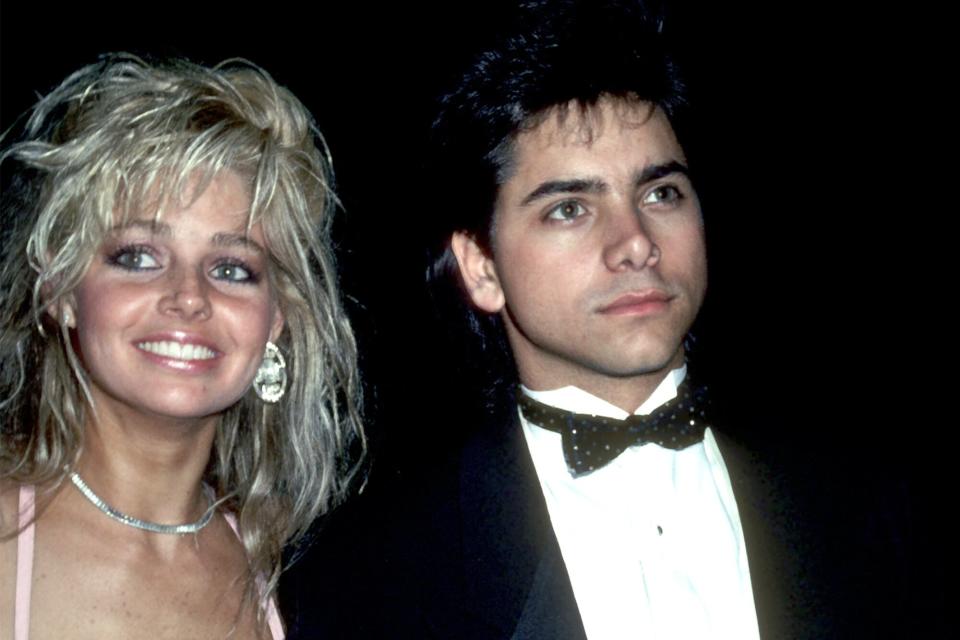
<point x="178" y="386"/>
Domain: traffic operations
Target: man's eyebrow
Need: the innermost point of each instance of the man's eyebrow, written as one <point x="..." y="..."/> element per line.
<point x="552" y="187"/>
<point x="237" y="240"/>
<point x="657" y="171"/>
<point x="597" y="186"/>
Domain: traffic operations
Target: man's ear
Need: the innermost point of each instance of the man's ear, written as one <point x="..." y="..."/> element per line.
<point x="478" y="272"/>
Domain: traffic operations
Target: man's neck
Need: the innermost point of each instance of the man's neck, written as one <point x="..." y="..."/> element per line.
<point x="577" y="400"/>
<point x="627" y="392"/>
<point x="625" y="395"/>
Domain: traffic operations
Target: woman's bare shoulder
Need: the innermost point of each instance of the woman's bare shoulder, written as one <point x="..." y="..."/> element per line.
<point x="9" y="505"/>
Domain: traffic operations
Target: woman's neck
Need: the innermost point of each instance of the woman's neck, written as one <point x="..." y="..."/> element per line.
<point x="146" y="466"/>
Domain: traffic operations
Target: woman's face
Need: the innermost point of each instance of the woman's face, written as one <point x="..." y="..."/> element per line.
<point x="172" y="317"/>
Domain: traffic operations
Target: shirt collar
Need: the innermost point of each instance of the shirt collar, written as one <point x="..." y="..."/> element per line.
<point x="574" y="399"/>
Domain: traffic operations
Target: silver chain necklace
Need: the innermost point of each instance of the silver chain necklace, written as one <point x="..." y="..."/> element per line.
<point x="130" y="521"/>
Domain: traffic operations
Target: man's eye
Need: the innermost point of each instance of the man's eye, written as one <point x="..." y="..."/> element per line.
<point x="134" y="259"/>
<point x="232" y="272"/>
<point x="665" y="193"/>
<point x="566" y="210"/>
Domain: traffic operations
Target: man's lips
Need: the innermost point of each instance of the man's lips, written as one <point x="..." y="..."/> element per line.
<point x="642" y="303"/>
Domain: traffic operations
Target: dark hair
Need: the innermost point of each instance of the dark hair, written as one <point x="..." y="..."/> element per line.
<point x="564" y="55"/>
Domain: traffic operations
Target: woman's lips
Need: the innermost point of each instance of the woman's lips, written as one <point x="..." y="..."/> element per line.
<point x="179" y="351"/>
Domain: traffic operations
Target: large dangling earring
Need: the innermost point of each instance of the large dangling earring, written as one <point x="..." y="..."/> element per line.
<point x="271" y="380"/>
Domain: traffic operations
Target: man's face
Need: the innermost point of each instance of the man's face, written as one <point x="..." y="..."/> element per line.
<point x="598" y="265"/>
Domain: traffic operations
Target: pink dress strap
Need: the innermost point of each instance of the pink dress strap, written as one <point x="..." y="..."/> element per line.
<point x="273" y="615"/>
<point x="21" y="612"/>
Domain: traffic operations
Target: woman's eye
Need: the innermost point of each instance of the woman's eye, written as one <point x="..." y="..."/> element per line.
<point x="134" y="259"/>
<point x="232" y="272"/>
<point x="665" y="193"/>
<point x="566" y="210"/>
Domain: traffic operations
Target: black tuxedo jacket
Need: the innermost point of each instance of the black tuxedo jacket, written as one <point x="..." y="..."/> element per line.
<point x="467" y="551"/>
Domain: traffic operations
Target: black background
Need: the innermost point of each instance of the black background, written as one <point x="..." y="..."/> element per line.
<point x="793" y="236"/>
<point x="807" y="315"/>
<point x="815" y="320"/>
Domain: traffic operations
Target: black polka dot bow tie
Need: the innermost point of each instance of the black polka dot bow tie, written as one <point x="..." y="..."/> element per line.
<point x="590" y="441"/>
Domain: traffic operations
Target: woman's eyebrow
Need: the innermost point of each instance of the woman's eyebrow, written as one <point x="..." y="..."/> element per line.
<point x="154" y="227"/>
<point x="236" y="240"/>
<point x="220" y="239"/>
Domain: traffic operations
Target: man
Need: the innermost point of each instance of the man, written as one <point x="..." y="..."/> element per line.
<point x="570" y="224"/>
<point x="590" y="255"/>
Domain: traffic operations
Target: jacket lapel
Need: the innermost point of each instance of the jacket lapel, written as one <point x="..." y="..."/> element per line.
<point x="772" y="532"/>
<point x="515" y="584"/>
<point x="515" y="577"/>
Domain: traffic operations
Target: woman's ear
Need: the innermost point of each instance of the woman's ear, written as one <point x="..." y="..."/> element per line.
<point x="277" y="327"/>
<point x="63" y="312"/>
<point x="69" y="317"/>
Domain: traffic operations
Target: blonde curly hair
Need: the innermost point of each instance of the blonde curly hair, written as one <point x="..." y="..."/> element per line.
<point x="121" y="135"/>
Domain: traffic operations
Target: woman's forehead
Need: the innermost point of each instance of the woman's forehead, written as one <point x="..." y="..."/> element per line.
<point x="225" y="195"/>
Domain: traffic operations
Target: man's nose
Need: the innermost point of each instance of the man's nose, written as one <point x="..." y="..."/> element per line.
<point x="629" y="243"/>
<point x="187" y="295"/>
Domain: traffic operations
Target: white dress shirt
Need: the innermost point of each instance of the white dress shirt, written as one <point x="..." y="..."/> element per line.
<point x="652" y="542"/>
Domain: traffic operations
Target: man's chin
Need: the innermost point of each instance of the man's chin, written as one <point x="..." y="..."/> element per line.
<point x="651" y="363"/>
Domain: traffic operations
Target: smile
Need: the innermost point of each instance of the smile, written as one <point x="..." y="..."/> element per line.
<point x="178" y="351"/>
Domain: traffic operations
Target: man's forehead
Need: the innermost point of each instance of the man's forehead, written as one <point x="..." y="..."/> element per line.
<point x="577" y="123"/>
<point x="574" y="124"/>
